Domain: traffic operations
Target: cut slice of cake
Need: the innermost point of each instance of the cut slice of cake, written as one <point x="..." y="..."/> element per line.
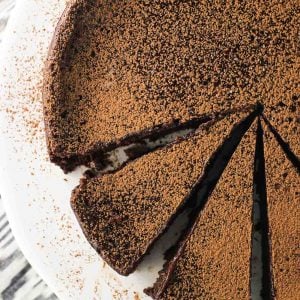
<point x="118" y="71"/>
<point x="123" y="213"/>
<point x="283" y="199"/>
<point x="213" y="260"/>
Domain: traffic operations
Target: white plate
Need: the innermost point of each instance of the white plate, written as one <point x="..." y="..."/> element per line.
<point x="35" y="192"/>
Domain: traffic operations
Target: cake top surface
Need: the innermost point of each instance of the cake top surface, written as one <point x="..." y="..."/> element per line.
<point x="118" y="69"/>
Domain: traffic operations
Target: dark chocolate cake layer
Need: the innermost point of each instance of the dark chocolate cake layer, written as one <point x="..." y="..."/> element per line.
<point x="283" y="198"/>
<point x="119" y="70"/>
<point x="213" y="261"/>
<point x="123" y="213"/>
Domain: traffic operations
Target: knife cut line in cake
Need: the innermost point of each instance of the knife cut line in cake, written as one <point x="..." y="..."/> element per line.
<point x="260" y="269"/>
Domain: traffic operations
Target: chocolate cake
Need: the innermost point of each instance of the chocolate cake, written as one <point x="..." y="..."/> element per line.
<point x="283" y="199"/>
<point x="124" y="212"/>
<point x="213" y="260"/>
<point x="118" y="71"/>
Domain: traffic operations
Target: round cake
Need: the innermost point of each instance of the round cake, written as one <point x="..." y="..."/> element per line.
<point x="122" y="71"/>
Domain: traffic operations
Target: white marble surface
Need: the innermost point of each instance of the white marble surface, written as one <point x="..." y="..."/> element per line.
<point x="17" y="278"/>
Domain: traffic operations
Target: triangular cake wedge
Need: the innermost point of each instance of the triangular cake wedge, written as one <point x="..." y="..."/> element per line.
<point x="213" y="260"/>
<point x="123" y="213"/>
<point x="283" y="204"/>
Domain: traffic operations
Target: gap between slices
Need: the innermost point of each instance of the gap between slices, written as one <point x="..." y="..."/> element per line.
<point x="261" y="279"/>
<point x="101" y="163"/>
<point x="123" y="213"/>
<point x="114" y="160"/>
<point x="96" y="157"/>
<point x="212" y="260"/>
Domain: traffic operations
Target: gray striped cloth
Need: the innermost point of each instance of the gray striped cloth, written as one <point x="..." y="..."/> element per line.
<point x="18" y="281"/>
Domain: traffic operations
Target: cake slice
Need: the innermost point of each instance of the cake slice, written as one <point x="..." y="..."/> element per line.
<point x="123" y="213"/>
<point x="213" y="260"/>
<point x="283" y="199"/>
